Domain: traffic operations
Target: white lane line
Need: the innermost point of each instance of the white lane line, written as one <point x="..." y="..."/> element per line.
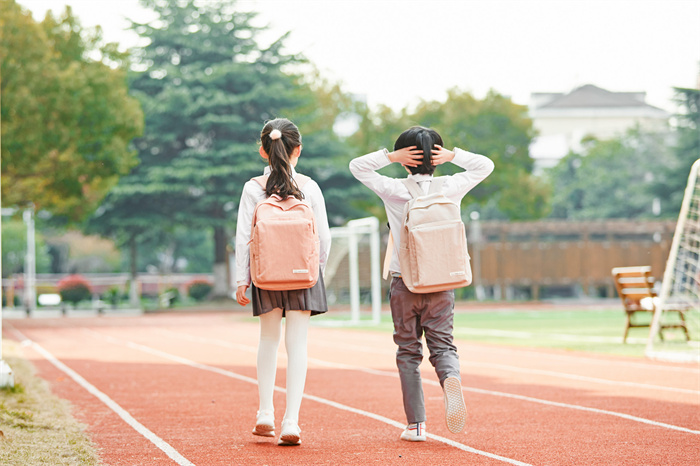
<point x="552" y="336"/>
<point x="687" y="368"/>
<point x="583" y="378"/>
<point x="469" y="389"/>
<point x="377" y="417"/>
<point x="563" y="375"/>
<point x="114" y="406"/>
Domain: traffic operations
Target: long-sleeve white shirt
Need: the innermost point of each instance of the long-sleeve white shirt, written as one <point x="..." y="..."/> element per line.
<point x="395" y="194"/>
<point x="254" y="193"/>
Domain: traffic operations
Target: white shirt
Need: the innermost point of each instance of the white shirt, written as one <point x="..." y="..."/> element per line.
<point x="395" y="194"/>
<point x="254" y="193"/>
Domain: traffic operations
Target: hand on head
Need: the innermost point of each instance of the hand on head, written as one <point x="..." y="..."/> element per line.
<point x="441" y="155"/>
<point x="407" y="156"/>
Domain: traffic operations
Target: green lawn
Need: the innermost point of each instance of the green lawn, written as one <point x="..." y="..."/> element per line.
<point x="591" y="330"/>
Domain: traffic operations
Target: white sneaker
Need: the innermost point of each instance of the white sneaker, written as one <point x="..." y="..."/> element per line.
<point x="414" y="432"/>
<point x="265" y="424"/>
<point x="455" y="410"/>
<point x="291" y="433"/>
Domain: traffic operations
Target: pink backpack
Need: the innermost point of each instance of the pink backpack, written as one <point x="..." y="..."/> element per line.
<point x="284" y="245"/>
<point x="433" y="250"/>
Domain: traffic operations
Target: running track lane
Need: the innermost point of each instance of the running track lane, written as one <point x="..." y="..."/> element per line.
<point x="188" y="379"/>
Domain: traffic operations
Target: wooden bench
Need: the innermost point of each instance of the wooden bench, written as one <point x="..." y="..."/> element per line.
<point x="635" y="286"/>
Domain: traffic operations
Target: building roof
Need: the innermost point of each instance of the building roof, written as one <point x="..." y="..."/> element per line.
<point x="590" y="96"/>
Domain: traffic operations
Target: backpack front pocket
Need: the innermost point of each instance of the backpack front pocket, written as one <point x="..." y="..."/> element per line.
<point x="438" y="256"/>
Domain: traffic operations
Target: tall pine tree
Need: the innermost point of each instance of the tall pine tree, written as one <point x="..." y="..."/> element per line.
<point x="206" y="86"/>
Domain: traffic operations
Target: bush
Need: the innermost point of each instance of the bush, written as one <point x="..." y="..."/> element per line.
<point x="199" y="288"/>
<point x="74" y="288"/>
<point x="113" y="295"/>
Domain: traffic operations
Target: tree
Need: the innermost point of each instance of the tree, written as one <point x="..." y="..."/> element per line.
<point x="67" y="119"/>
<point x="611" y="178"/>
<point x="493" y="126"/>
<point x="14" y="246"/>
<point x="326" y="155"/>
<point x="207" y="87"/>
<point x="674" y="175"/>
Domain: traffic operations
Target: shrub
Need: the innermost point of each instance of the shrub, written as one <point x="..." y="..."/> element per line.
<point x="199" y="288"/>
<point x="113" y="295"/>
<point x="74" y="288"/>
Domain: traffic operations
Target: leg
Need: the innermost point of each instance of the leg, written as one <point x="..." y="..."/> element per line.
<point x="437" y="321"/>
<point x="270" y="326"/>
<point x="296" y="330"/>
<point x="409" y="355"/>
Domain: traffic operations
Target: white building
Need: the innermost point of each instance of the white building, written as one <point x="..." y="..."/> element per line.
<point x="562" y="120"/>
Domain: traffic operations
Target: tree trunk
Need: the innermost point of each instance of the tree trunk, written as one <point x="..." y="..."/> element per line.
<point x="221" y="274"/>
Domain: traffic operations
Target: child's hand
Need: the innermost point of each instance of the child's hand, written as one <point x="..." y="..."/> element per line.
<point x="408" y="156"/>
<point x="441" y="155"/>
<point x="240" y="295"/>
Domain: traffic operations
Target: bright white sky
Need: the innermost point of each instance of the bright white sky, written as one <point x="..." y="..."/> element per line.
<point x="398" y="52"/>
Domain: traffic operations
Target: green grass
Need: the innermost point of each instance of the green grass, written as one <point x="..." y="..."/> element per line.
<point x="36" y="427"/>
<point x="588" y="330"/>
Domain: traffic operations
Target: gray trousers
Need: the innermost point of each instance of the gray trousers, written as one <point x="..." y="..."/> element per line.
<point x="413" y="315"/>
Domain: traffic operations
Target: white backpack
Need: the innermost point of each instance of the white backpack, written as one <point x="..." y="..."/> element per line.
<point x="284" y="245"/>
<point x="433" y="250"/>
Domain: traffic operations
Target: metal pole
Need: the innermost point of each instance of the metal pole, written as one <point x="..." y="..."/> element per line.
<point x="354" y="277"/>
<point x="376" y="274"/>
<point x="475" y="238"/>
<point x="30" y="262"/>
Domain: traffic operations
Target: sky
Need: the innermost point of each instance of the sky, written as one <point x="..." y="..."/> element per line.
<point x="398" y="53"/>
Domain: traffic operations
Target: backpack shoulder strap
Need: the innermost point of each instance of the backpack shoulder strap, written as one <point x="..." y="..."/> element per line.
<point x="261" y="180"/>
<point x="435" y="186"/>
<point x="413" y="187"/>
<point x="301" y="180"/>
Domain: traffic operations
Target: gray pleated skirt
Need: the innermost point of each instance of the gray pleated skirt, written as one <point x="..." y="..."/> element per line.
<point x="310" y="299"/>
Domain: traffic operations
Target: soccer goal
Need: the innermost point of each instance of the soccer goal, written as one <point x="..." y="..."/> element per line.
<point x="352" y="276"/>
<point x="680" y="288"/>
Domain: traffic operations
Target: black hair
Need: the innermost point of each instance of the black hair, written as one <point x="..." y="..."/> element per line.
<point x="424" y="139"/>
<point x="280" y="180"/>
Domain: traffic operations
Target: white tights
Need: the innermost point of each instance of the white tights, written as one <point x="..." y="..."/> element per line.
<point x="296" y="329"/>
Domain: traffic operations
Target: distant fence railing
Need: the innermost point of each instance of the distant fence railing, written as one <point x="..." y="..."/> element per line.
<point x="548" y="259"/>
<point x="533" y="260"/>
<point x="146" y="284"/>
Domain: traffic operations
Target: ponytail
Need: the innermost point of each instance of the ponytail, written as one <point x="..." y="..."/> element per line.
<point x="286" y="139"/>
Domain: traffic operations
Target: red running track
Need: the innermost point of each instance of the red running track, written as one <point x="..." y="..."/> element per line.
<point x="180" y="389"/>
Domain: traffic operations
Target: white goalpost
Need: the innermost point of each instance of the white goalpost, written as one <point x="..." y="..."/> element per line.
<point x="352" y="270"/>
<point x="680" y="288"/>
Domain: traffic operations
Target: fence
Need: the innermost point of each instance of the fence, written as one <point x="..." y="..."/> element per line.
<point x="549" y="259"/>
<point x="147" y="284"/>
<point x="535" y="260"/>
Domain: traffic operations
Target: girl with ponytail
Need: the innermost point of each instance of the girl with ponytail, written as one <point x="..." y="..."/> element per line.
<point x="420" y="150"/>
<point x="280" y="146"/>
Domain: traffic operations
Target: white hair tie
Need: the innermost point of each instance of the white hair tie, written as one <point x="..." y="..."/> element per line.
<point x="275" y="134"/>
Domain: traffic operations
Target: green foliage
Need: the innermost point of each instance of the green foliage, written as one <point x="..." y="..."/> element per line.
<point x="74" y="288"/>
<point x="610" y="179"/>
<point x="66" y="117"/>
<point x="207" y="88"/>
<point x="199" y="288"/>
<point x="113" y="295"/>
<point x="673" y="176"/>
<point x="14" y="249"/>
<point x="493" y="126"/>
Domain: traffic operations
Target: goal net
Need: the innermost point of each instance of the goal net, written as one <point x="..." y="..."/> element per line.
<point x="352" y="276"/>
<point x="680" y="288"/>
